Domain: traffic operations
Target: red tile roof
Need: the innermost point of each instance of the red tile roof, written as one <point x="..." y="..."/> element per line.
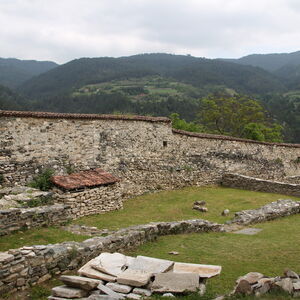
<point x="90" y="178"/>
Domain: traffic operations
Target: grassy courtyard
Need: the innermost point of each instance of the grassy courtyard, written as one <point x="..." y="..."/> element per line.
<point x="162" y="206"/>
<point x="270" y="251"/>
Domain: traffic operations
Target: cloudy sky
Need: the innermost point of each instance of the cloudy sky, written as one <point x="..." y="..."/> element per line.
<point x="61" y="30"/>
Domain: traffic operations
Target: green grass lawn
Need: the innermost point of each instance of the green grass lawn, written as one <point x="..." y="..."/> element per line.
<point x="272" y="250"/>
<point x="163" y="206"/>
<point x="177" y="205"/>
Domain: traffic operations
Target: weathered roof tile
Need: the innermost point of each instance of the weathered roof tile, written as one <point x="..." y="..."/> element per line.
<point x="90" y="178"/>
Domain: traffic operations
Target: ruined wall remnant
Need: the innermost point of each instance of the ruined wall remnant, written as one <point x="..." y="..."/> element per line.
<point x="143" y="151"/>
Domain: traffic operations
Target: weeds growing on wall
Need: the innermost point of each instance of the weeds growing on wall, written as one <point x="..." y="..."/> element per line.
<point x="42" y="181"/>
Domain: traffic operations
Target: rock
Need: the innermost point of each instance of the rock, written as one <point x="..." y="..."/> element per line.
<point x="110" y="263"/>
<point x="291" y="274"/>
<point x="286" y="284"/>
<point x="143" y="292"/>
<point x="263" y="289"/>
<point x="68" y="292"/>
<point x="134" y="277"/>
<point x="90" y="272"/>
<point x="173" y="252"/>
<point x="106" y="290"/>
<point x="151" y="265"/>
<point x="175" y="282"/>
<point x="252" y="277"/>
<point x="84" y="283"/>
<point x="200" y="208"/>
<point x="101" y="297"/>
<point x="243" y="287"/>
<point x="200" y="203"/>
<point x="202" y="289"/>
<point x="119" y="288"/>
<point x="5" y="258"/>
<point x="204" y="271"/>
<point x="296" y="286"/>
<point x="220" y="298"/>
<point x="134" y="296"/>
<point x="225" y="212"/>
<point x="168" y="295"/>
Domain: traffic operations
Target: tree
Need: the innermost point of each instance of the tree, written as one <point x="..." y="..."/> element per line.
<point x="181" y="124"/>
<point x="239" y="116"/>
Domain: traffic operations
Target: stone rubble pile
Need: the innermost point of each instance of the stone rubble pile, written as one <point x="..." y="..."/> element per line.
<point x="18" y="196"/>
<point x="200" y="206"/>
<point x="257" y="284"/>
<point x="273" y="210"/>
<point x="116" y="276"/>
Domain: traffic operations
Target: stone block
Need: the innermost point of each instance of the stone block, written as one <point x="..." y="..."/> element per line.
<point x="136" y="278"/>
<point x="80" y="282"/>
<point x="175" y="282"/>
<point x="151" y="265"/>
<point x="204" y="271"/>
<point x="68" y="292"/>
<point x="106" y="290"/>
<point x="90" y="272"/>
<point x="119" y="288"/>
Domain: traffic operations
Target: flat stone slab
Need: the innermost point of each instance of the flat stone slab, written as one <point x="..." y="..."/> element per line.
<point x="68" y="292"/>
<point x="6" y="258"/>
<point x="142" y="292"/>
<point x="151" y="265"/>
<point x="110" y="263"/>
<point x="175" y="282"/>
<point x="106" y="290"/>
<point x="135" y="278"/>
<point x="203" y="271"/>
<point x="248" y="231"/>
<point x="119" y="288"/>
<point x="80" y="282"/>
<point x="88" y="271"/>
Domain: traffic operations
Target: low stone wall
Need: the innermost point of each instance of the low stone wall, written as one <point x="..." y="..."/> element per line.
<point x="92" y="201"/>
<point x="29" y="265"/>
<point x="274" y="210"/>
<point x="14" y="219"/>
<point x="255" y="184"/>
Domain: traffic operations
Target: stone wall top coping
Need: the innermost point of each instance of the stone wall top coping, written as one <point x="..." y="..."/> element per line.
<point x="51" y="115"/>
<point x="261" y="180"/>
<point x="230" y="138"/>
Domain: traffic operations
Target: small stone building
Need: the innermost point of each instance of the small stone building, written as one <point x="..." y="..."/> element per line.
<point x="88" y="192"/>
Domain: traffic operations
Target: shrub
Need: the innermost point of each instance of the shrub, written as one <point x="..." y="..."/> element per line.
<point x="42" y="181"/>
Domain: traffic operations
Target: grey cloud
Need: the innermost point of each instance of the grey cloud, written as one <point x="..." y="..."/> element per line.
<point x="65" y="29"/>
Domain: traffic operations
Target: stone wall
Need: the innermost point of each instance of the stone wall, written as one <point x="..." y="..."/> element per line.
<point x="14" y="219"/>
<point x="30" y="265"/>
<point x="70" y="205"/>
<point x="144" y="152"/>
<point x="92" y="201"/>
<point x="271" y="211"/>
<point x="261" y="185"/>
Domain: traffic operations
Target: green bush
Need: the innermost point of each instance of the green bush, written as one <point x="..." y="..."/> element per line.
<point x="42" y="181"/>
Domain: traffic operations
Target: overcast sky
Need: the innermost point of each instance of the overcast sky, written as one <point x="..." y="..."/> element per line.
<point x="62" y="30"/>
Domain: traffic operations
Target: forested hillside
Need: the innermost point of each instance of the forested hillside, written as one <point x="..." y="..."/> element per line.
<point x="199" y="72"/>
<point x="164" y="84"/>
<point x="13" y="72"/>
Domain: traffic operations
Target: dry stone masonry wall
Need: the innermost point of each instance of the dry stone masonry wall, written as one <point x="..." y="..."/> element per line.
<point x="92" y="201"/>
<point x="14" y="219"/>
<point x="29" y="265"/>
<point x="144" y="152"/>
<point x="257" y="184"/>
<point x="271" y="211"/>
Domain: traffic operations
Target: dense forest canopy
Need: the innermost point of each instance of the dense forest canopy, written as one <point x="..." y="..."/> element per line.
<point x="163" y="85"/>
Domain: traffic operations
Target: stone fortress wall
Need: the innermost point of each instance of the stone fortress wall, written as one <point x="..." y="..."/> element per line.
<point x="144" y="152"/>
